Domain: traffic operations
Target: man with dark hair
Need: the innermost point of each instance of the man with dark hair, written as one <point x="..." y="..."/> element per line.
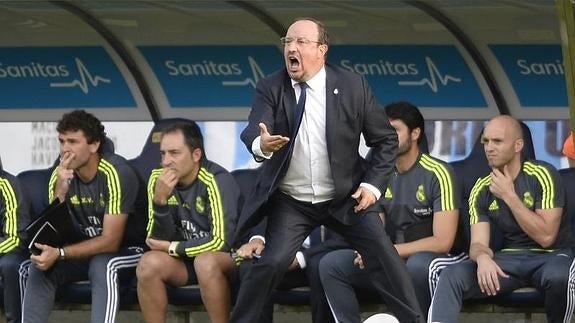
<point x="193" y="207"/>
<point x="14" y="217"/>
<point x="107" y="202"/>
<point x="305" y="127"/>
<point x="525" y="200"/>
<point x="420" y="209"/>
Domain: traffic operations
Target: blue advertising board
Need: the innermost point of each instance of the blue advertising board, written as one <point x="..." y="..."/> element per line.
<point x="433" y="76"/>
<point x="536" y="73"/>
<point x="61" y="77"/>
<point x="211" y="76"/>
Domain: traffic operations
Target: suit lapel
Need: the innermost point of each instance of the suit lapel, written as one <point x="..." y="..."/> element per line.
<point x="331" y="107"/>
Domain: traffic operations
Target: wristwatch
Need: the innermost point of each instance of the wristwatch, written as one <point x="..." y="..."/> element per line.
<point x="172" y="249"/>
<point x="62" y="254"/>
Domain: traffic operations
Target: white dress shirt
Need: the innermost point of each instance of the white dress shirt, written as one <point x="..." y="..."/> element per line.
<point x="309" y="177"/>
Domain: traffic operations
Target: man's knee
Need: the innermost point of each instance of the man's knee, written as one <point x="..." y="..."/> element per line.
<point x="150" y="266"/>
<point x="556" y="277"/>
<point x="418" y="263"/>
<point x="9" y="265"/>
<point x="459" y="274"/>
<point x="330" y="264"/>
<point x="210" y="264"/>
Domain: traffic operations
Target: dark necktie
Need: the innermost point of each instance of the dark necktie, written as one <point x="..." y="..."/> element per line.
<point x="297" y="117"/>
<point x="298" y="111"/>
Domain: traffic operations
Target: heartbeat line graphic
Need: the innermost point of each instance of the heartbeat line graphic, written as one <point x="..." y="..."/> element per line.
<point x="434" y="77"/>
<point x="86" y="79"/>
<point x="257" y="74"/>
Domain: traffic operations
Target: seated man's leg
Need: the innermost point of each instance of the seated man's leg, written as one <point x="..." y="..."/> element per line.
<point x="215" y="272"/>
<point x="556" y="280"/>
<point x="23" y="279"/>
<point x="320" y="311"/>
<point x="156" y="270"/>
<point x="454" y="282"/>
<point x="41" y="288"/>
<point x="104" y="269"/>
<point x="286" y="229"/>
<point x="424" y="269"/>
<point x="339" y="276"/>
<point x="458" y="282"/>
<point x="9" y="266"/>
<point x="387" y="270"/>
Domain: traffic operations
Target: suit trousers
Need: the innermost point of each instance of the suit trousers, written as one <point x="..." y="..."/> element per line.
<point x="309" y="276"/>
<point x="289" y="225"/>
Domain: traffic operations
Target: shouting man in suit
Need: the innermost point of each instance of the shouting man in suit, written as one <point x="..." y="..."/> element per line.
<point x="312" y="173"/>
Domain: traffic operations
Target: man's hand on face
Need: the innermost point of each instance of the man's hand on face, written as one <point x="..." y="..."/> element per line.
<point x="501" y="183"/>
<point x="65" y="175"/>
<point x="165" y="185"/>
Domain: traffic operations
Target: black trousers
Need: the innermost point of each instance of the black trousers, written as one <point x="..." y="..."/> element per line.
<point x="289" y="225"/>
<point x="320" y="311"/>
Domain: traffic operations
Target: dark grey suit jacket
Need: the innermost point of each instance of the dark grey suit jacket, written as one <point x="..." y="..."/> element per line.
<point x="351" y="109"/>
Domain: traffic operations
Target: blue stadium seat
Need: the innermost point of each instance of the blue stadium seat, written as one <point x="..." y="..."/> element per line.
<point x="35" y="187"/>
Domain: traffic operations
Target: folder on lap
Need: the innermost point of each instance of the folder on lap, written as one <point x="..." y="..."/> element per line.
<point x="54" y="227"/>
<point x="47" y="235"/>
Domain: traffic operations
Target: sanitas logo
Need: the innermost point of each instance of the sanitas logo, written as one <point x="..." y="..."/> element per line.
<point x="434" y="80"/>
<point x="35" y="70"/>
<point x="86" y="79"/>
<point x="257" y="74"/>
<point x="211" y="68"/>
<point x="434" y="76"/>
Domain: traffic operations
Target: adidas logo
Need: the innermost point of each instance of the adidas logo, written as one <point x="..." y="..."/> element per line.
<point x="493" y="206"/>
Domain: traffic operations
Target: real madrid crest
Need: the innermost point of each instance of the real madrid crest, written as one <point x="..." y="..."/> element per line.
<point x="420" y="194"/>
<point x="528" y="199"/>
<point x="200" y="205"/>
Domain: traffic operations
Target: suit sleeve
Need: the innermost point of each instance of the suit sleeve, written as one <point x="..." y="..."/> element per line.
<point x="262" y="112"/>
<point x="223" y="198"/>
<point x="381" y="137"/>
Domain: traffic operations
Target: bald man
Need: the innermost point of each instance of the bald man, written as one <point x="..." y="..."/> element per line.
<point x="525" y="199"/>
